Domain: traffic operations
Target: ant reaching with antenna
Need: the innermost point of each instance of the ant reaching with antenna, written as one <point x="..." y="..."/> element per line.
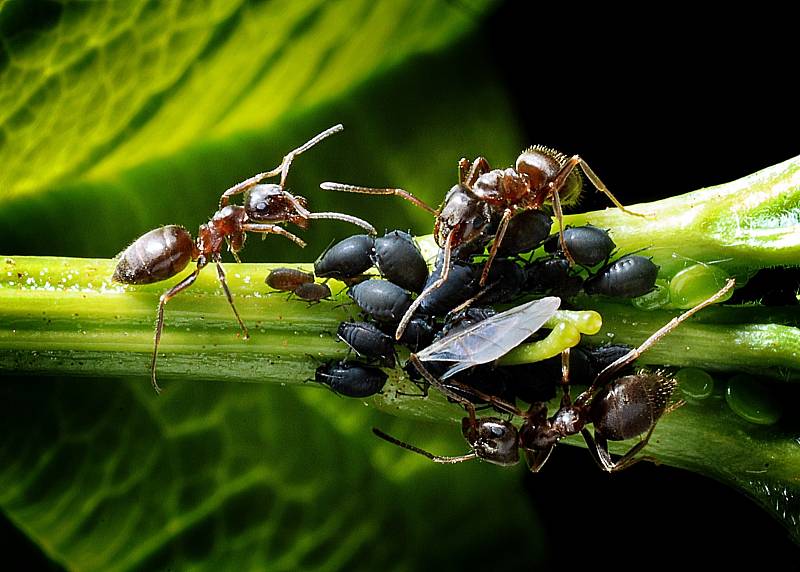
<point x="164" y="252"/>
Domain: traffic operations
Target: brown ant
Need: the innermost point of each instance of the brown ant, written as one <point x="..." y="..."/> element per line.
<point x="164" y="252"/>
<point x="486" y="199"/>
<point x="620" y="410"/>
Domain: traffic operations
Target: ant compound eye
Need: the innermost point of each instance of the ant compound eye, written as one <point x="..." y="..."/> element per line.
<point x="496" y="442"/>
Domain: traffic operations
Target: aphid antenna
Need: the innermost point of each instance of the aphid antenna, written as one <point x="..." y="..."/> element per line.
<point x="423" y="452"/>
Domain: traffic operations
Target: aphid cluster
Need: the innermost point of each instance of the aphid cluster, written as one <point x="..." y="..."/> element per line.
<point x="496" y="247"/>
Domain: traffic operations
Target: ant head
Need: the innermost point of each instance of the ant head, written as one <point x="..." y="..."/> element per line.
<point x="541" y="165"/>
<point x="493" y="440"/>
<point x="463" y="213"/>
<point x="269" y="203"/>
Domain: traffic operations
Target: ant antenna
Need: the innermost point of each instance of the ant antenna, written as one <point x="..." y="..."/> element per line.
<point x="431" y="456"/>
<point x="345" y="218"/>
<point x="652" y="340"/>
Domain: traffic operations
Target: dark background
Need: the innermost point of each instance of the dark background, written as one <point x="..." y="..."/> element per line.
<point x="659" y="104"/>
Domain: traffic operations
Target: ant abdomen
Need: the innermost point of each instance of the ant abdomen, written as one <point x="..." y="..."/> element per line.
<point x="155" y="256"/>
<point x="631" y="405"/>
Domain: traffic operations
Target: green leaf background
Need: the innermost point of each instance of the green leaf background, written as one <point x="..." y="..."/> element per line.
<point x="119" y="117"/>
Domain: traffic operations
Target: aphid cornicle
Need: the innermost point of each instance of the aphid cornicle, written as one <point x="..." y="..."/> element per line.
<point x="481" y="206"/>
<point x="164" y="252"/>
<point x="619" y="409"/>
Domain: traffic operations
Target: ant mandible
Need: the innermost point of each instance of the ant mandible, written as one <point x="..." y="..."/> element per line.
<point x="486" y="198"/>
<point x="620" y="410"/>
<point x="164" y="252"/>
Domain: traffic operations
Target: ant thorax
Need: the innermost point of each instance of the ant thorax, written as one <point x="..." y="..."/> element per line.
<point x="502" y="187"/>
<point x="463" y="214"/>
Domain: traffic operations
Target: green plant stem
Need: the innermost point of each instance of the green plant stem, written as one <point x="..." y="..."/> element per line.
<point x="64" y="316"/>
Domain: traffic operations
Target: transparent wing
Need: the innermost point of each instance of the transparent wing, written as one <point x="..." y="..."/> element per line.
<point x="492" y="338"/>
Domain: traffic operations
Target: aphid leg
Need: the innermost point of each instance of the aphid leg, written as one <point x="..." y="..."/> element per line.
<point x="598" y="447"/>
<point x="498" y="239"/>
<point x="273" y="229"/>
<point x="282" y="168"/>
<point x="448" y="249"/>
<point x="166" y="297"/>
<point x="345" y="218"/>
<point x="329" y="186"/>
<point x="229" y="296"/>
<point x="424" y="453"/>
<point x="634" y="354"/>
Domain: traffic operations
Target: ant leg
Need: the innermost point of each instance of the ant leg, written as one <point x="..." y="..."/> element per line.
<point x="229" y="296"/>
<point x="652" y="340"/>
<point x="329" y="186"/>
<point x="448" y="247"/>
<point x="282" y="168"/>
<point x="479" y="166"/>
<point x="498" y="238"/>
<point x="345" y="218"/>
<point x="575" y="161"/>
<point x="464" y="165"/>
<point x="424" y="453"/>
<point x="559" y="214"/>
<point x="273" y="229"/>
<point x="466" y="403"/>
<point x="600" y="186"/>
<point x="598" y="447"/>
<point x="537" y="458"/>
<point x="166" y="297"/>
<point x="566" y="398"/>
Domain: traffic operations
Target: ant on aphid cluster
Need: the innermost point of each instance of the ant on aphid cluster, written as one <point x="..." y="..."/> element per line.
<point x="480" y="208"/>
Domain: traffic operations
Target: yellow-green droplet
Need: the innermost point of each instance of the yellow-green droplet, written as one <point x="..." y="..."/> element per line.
<point x="752" y="400"/>
<point x="657" y="298"/>
<point x="695" y="383"/>
<point x="692" y="285"/>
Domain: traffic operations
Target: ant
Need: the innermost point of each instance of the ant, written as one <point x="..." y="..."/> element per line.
<point x="164" y="252"/>
<point x="486" y="199"/>
<point x="622" y="409"/>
